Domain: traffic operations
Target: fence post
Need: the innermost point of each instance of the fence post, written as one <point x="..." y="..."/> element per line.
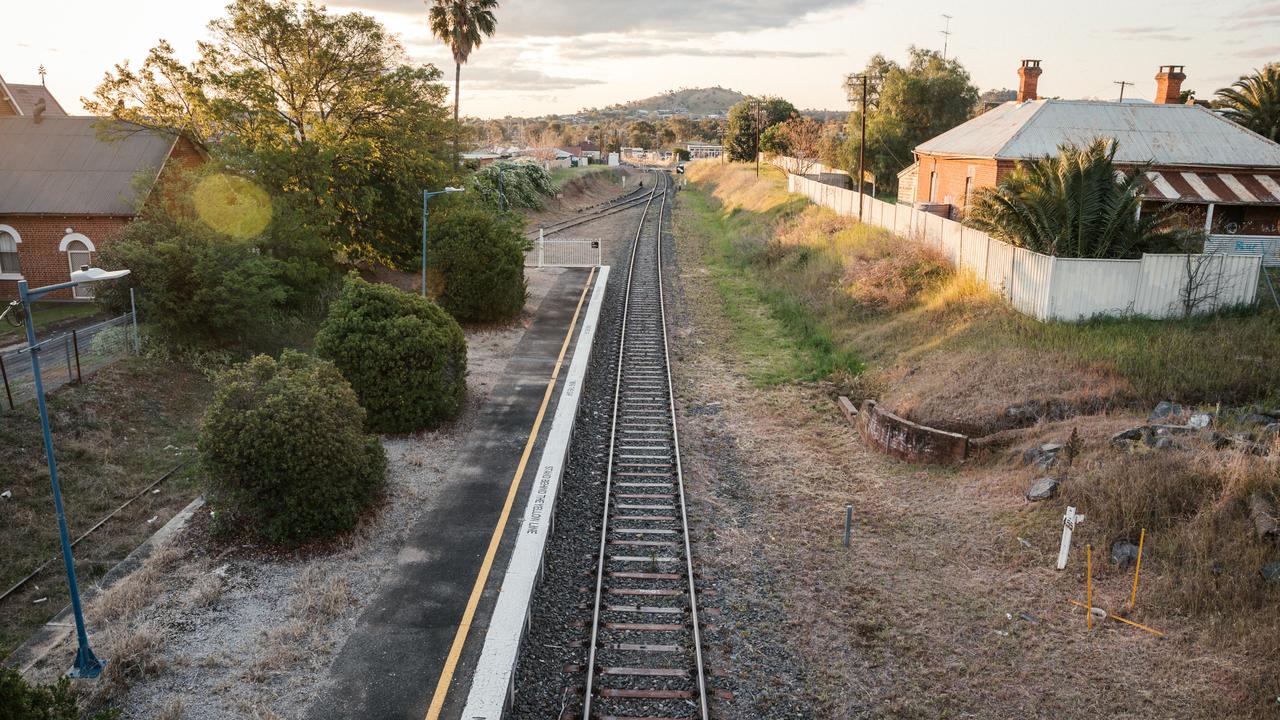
<point x="133" y="310"/>
<point x="66" y="353"/>
<point x="75" y="344"/>
<point x="542" y="243"/>
<point x="5" y="375"/>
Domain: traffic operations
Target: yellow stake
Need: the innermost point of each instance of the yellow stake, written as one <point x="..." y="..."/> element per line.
<point x="1126" y="621"/>
<point x="1088" y="584"/>
<point x="1133" y="595"/>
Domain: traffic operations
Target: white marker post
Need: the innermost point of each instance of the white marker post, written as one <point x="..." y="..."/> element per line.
<point x="1069" y="521"/>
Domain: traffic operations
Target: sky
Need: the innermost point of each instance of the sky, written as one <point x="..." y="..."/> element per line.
<point x="559" y="56"/>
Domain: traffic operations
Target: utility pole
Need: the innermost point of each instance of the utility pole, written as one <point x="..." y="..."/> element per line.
<point x="946" y="36"/>
<point x="756" y="106"/>
<point x="1121" y="83"/>
<point x="862" y="144"/>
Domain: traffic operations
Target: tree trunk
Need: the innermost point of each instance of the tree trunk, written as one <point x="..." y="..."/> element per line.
<point x="457" y="129"/>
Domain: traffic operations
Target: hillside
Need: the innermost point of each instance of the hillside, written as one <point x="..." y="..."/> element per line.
<point x="693" y="101"/>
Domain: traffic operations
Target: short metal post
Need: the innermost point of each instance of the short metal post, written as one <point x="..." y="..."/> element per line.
<point x="75" y="345"/>
<point x="848" y="523"/>
<point x="133" y="310"/>
<point x="66" y="353"/>
<point x="5" y="375"/>
<point x="542" y="244"/>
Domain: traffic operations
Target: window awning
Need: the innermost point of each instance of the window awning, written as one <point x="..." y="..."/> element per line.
<point x="1199" y="187"/>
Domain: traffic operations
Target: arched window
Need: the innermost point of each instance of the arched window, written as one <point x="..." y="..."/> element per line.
<point x="79" y="250"/>
<point x="10" y="264"/>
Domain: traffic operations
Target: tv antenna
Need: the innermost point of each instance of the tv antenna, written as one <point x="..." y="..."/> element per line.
<point x="42" y="72"/>
<point x="946" y="35"/>
<point x="1122" y="84"/>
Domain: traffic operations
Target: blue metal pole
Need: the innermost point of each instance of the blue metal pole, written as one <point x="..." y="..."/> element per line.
<point x="87" y="664"/>
<point x="425" y="196"/>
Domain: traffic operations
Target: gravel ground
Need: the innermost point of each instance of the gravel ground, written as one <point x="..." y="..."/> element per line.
<point x="219" y="633"/>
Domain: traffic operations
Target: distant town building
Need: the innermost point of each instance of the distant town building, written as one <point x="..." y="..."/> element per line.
<point x="704" y="150"/>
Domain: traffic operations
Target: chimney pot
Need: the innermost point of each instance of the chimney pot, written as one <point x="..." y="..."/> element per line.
<point x="1028" y="79"/>
<point x="1169" y="84"/>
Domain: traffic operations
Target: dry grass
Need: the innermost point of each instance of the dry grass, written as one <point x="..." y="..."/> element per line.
<point x="175" y="709"/>
<point x="947" y="605"/>
<point x="134" y="652"/>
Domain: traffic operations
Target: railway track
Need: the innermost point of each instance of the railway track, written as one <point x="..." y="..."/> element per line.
<point x="633" y="199"/>
<point x="645" y="648"/>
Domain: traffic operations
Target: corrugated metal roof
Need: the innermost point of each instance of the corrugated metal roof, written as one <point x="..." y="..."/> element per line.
<point x="1199" y="187"/>
<point x="1186" y="135"/>
<point x="61" y="165"/>
<point x="27" y="95"/>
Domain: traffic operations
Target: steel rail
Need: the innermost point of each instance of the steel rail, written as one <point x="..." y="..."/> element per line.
<point x="645" y="402"/>
<point x="617" y="205"/>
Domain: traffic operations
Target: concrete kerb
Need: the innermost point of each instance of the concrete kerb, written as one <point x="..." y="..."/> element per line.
<point x="493" y="678"/>
<point x="52" y="633"/>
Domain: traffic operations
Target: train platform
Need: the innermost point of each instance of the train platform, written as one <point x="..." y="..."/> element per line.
<point x="411" y="654"/>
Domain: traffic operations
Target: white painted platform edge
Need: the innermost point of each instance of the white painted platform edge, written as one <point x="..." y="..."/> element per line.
<point x="491" y="680"/>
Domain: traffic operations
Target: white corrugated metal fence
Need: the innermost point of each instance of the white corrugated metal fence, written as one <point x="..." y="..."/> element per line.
<point x="1053" y="288"/>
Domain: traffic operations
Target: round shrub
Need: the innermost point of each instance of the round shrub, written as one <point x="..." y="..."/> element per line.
<point x="476" y="261"/>
<point x="283" y="451"/>
<point x="404" y="356"/>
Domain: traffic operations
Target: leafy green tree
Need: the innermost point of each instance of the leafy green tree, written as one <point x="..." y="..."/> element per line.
<point x="506" y="185"/>
<point x="1078" y="204"/>
<point x="321" y="108"/>
<point x="462" y="25"/>
<point x="476" y="261"/>
<point x="748" y="116"/>
<point x="906" y="105"/>
<point x="284" y="453"/>
<point x="1254" y="101"/>
<point x="403" y="354"/>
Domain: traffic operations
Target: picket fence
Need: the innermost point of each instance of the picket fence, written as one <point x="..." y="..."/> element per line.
<point x="1054" y="288"/>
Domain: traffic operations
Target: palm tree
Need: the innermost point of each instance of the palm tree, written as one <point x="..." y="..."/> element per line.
<point x="462" y="25"/>
<point x="1077" y="204"/>
<point x="1254" y="101"/>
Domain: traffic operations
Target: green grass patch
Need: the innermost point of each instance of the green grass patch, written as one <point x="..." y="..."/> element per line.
<point x="50" y="316"/>
<point x="774" y="338"/>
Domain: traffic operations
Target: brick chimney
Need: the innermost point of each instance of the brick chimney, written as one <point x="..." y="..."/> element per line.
<point x="1169" y="84"/>
<point x="1028" y="78"/>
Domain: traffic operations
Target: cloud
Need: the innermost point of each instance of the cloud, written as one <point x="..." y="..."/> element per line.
<point x="1158" y="33"/>
<point x="1265" y="52"/>
<point x="634" y="48"/>
<point x="520" y="79"/>
<point x="581" y="17"/>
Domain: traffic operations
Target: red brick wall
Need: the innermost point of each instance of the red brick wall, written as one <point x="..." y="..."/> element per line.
<point x="42" y="263"/>
<point x="952" y="173"/>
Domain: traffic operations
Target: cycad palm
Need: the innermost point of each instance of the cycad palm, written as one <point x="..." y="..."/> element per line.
<point x="462" y="25"/>
<point x="1254" y="101"/>
<point x="1074" y="205"/>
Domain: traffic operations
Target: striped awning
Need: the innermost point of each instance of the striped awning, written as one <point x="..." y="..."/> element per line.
<point x="1200" y="187"/>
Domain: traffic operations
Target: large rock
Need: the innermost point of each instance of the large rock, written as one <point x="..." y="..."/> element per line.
<point x="1046" y="488"/>
<point x="1043" y="456"/>
<point x="1124" y="553"/>
<point x="1166" y="411"/>
<point x="1271" y="573"/>
<point x="1124" y="438"/>
<point x="1200" y="421"/>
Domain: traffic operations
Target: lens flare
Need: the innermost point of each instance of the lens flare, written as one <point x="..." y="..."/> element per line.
<point x="232" y="205"/>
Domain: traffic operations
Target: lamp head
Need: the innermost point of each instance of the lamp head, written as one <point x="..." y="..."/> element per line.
<point x="87" y="274"/>
<point x="454" y="189"/>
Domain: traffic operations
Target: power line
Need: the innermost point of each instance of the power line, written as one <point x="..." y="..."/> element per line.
<point x="1122" y="84"/>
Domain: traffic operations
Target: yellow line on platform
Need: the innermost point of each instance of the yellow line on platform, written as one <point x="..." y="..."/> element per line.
<point x="464" y="627"/>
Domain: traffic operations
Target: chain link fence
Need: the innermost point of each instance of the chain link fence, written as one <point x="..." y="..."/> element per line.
<point x="67" y="357"/>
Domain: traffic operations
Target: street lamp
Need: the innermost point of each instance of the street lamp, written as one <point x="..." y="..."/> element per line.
<point x="425" y="197"/>
<point x="87" y="665"/>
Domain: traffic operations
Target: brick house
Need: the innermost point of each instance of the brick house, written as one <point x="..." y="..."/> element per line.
<point x="1218" y="174"/>
<point x="68" y="184"/>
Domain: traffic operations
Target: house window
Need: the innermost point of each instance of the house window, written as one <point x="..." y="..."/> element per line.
<point x="9" y="264"/>
<point x="79" y="251"/>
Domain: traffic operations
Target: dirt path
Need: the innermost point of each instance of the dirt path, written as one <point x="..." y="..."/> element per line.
<point x="937" y="610"/>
